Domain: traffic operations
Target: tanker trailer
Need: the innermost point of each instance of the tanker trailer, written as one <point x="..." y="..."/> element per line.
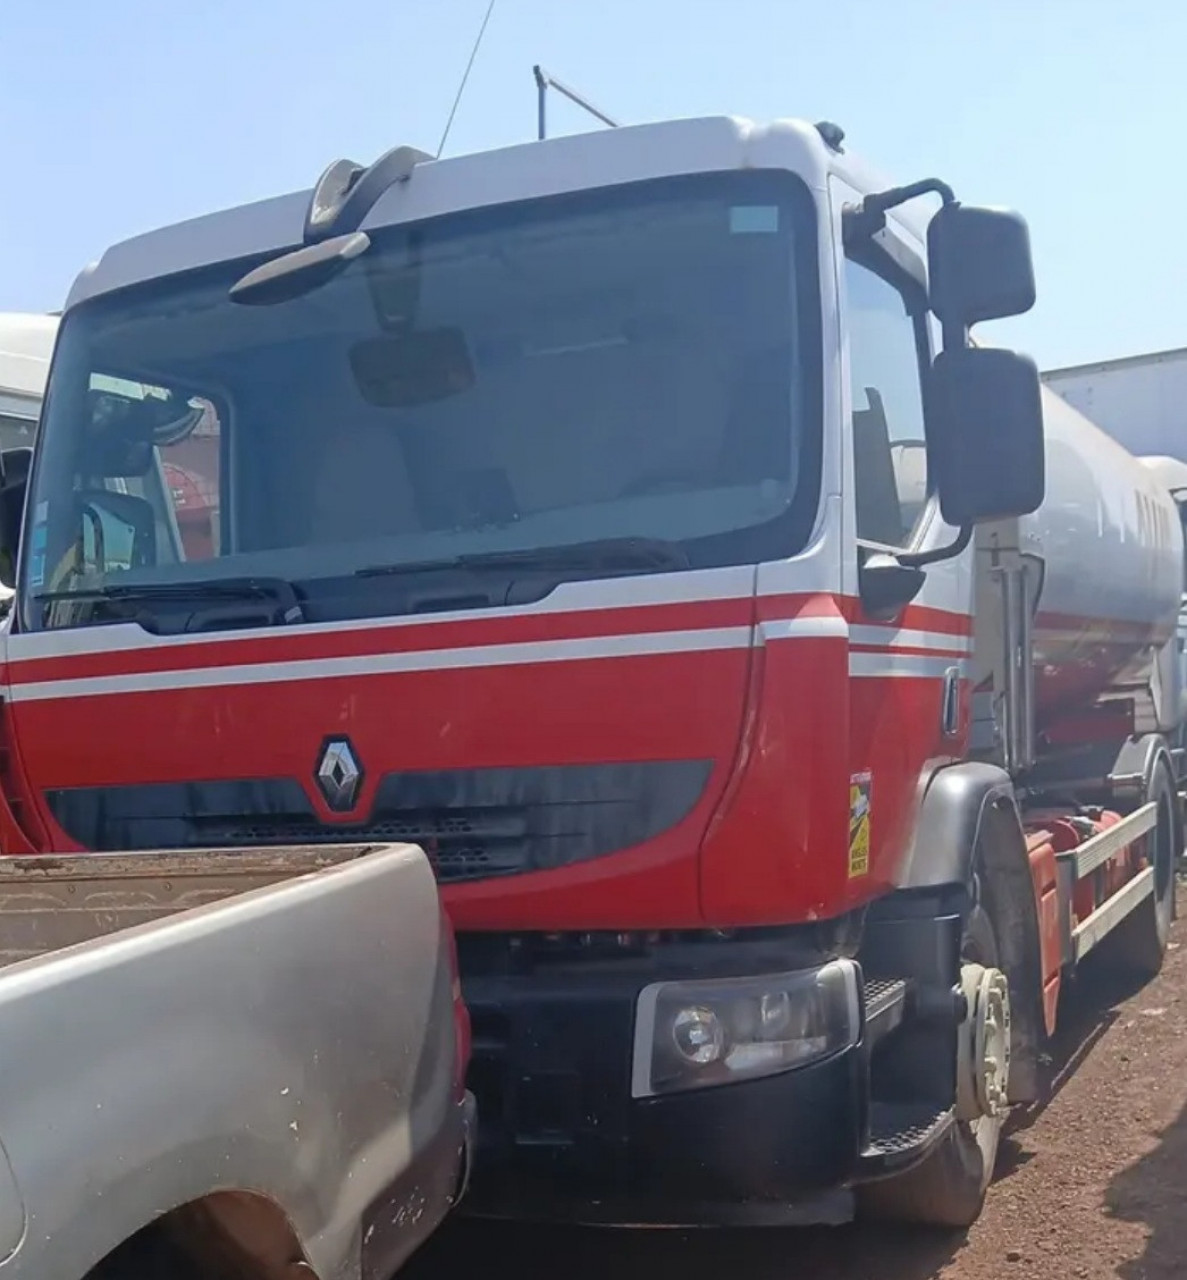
<point x="1172" y="476"/>
<point x="1138" y="401"/>
<point x="1110" y="543"/>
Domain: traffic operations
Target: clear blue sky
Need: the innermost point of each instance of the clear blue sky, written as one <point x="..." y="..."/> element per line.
<point x="120" y="115"/>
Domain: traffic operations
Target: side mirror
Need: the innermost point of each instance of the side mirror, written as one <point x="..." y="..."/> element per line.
<point x="124" y="431"/>
<point x="979" y="264"/>
<point x="985" y="441"/>
<point x="14" y="479"/>
<point x="117" y="531"/>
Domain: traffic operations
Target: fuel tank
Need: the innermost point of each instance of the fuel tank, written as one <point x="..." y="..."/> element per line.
<point x="1111" y="543"/>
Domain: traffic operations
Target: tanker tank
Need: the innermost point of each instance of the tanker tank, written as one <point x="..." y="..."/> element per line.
<point x="1110" y="539"/>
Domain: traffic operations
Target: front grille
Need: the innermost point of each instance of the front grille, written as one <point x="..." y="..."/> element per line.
<point x="461" y="846"/>
<point x="472" y="823"/>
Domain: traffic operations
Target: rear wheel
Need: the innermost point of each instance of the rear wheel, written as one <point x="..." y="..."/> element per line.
<point x="1141" y="940"/>
<point x="948" y="1188"/>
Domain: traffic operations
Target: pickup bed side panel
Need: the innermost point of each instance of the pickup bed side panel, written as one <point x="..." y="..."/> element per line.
<point x="297" y="1040"/>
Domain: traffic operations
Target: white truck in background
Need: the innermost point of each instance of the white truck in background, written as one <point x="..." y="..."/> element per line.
<point x="26" y="344"/>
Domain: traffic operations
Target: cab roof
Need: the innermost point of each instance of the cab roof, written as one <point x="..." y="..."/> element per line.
<point x="554" y="166"/>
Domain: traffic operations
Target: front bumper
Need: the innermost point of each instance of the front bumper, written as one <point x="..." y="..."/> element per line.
<point x="561" y="1138"/>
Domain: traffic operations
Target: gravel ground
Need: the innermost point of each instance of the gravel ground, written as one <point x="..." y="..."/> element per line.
<point x="1091" y="1183"/>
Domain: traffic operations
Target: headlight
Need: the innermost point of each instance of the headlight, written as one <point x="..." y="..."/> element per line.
<point x="692" y="1034"/>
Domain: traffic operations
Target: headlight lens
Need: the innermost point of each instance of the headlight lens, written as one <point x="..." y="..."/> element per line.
<point x="692" y="1034"/>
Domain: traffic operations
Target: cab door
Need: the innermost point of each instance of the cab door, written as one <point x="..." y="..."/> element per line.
<point x="909" y="661"/>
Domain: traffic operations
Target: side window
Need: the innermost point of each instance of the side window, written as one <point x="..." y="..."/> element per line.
<point x="887" y="334"/>
<point x="146" y="488"/>
<point x="179" y="480"/>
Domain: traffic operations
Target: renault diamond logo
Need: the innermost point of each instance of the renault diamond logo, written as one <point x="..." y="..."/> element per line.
<point x="339" y="775"/>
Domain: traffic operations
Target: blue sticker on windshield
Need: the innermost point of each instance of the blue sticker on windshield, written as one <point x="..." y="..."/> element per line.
<point x="754" y="219"/>
<point x="37" y="550"/>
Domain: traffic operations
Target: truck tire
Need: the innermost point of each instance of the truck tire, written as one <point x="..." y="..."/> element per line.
<point x="1140" y="941"/>
<point x="149" y="1255"/>
<point x="948" y="1188"/>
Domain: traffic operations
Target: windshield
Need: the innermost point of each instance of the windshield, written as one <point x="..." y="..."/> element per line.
<point x="633" y="363"/>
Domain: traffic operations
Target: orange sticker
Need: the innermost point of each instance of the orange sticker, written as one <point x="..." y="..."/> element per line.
<point x="859" y="824"/>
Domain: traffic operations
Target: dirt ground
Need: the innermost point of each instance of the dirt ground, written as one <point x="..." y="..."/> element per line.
<point x="1092" y="1183"/>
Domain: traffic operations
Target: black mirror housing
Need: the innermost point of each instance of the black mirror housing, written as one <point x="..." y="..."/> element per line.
<point x="979" y="264"/>
<point x="128" y="509"/>
<point x="985" y="438"/>
<point x="14" y="480"/>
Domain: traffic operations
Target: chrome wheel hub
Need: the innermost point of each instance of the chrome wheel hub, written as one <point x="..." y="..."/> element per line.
<point x="983" y="1052"/>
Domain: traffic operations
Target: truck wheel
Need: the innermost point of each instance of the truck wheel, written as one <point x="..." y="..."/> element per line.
<point x="1140" y="941"/>
<point x="147" y="1256"/>
<point x="948" y="1188"/>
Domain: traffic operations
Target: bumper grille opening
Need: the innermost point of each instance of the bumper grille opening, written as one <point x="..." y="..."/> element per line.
<point x="487" y="1077"/>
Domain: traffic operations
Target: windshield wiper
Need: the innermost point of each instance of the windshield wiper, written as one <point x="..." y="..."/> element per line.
<point x="601" y="553"/>
<point x="221" y="599"/>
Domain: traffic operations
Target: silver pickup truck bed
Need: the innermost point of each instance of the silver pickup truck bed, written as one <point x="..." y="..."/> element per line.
<point x="223" y="1029"/>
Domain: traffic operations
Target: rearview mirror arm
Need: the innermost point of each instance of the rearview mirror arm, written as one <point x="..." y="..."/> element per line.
<point x="860" y="222"/>
<point x="949" y="551"/>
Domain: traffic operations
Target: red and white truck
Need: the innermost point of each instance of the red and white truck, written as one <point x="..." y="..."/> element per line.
<point x="779" y="683"/>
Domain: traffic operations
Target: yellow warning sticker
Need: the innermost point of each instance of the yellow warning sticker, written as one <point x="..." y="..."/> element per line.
<point x="859" y="825"/>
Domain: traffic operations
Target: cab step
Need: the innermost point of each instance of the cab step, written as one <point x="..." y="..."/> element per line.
<point x="901" y="1134"/>
<point x="885" y="1006"/>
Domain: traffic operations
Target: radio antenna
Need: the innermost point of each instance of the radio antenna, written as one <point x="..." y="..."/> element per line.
<point x="465" y="76"/>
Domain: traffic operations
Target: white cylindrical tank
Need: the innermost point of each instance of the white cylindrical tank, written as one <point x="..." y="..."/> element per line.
<point x="1109" y="535"/>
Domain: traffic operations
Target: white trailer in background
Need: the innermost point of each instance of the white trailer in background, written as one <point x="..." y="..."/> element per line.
<point x="1140" y="400"/>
